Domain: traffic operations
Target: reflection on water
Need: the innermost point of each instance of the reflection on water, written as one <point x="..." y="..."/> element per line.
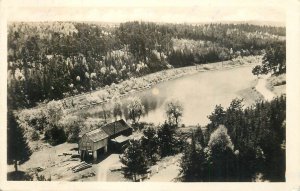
<point x="198" y="93"/>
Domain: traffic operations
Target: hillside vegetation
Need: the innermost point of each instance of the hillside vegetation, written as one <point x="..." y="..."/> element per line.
<point x="53" y="60"/>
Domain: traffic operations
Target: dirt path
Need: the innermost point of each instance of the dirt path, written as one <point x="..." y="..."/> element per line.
<point x="104" y="166"/>
<point x="168" y="170"/>
<point x="261" y="88"/>
<point x="167" y="174"/>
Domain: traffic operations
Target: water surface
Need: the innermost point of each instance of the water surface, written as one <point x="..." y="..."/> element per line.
<point x="198" y="93"/>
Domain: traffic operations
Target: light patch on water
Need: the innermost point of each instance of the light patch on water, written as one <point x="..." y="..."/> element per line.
<point x="155" y="91"/>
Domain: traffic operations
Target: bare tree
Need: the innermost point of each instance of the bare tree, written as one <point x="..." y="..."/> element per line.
<point x="117" y="108"/>
<point x="174" y="111"/>
<point x="135" y="108"/>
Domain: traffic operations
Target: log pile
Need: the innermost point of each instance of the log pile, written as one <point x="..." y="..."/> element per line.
<point x="80" y="167"/>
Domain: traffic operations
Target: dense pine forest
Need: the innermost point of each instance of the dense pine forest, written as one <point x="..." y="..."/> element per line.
<point x="239" y="143"/>
<point x="53" y="60"/>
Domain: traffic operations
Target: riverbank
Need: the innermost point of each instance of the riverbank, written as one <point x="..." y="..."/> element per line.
<point x="89" y="100"/>
<point x="250" y="95"/>
<point x="104" y="95"/>
<point x="204" y="86"/>
<point x="277" y="84"/>
<point x="261" y="87"/>
<point x="265" y="87"/>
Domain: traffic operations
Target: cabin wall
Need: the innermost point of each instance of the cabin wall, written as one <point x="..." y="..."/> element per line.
<point x="85" y="143"/>
<point x="100" y="144"/>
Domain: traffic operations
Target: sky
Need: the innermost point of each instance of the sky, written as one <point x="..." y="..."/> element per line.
<point x="175" y="11"/>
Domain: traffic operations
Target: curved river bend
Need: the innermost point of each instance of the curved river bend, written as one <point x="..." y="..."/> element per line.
<point x="199" y="93"/>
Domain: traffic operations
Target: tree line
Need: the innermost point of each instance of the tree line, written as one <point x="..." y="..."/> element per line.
<point x="274" y="60"/>
<point x="238" y="144"/>
<point x="53" y="60"/>
<point x="156" y="142"/>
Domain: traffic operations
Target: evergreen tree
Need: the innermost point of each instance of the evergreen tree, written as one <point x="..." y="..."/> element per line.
<point x="222" y="156"/>
<point x="150" y="144"/>
<point x="166" y="139"/>
<point x="134" y="160"/>
<point x="217" y="117"/>
<point x="274" y="60"/>
<point x="18" y="150"/>
<point x="193" y="161"/>
<point x="199" y="136"/>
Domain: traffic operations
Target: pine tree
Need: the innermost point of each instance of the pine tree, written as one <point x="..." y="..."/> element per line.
<point x="150" y="144"/>
<point x="166" y="138"/>
<point x="193" y="161"/>
<point x="134" y="160"/>
<point x="217" y="117"/>
<point x="199" y="136"/>
<point x="17" y="146"/>
<point x="222" y="155"/>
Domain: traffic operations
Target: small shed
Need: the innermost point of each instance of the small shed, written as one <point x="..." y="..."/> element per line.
<point x="97" y="139"/>
<point x="92" y="141"/>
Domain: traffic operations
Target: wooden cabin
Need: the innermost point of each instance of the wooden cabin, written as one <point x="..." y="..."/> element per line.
<point x="95" y="141"/>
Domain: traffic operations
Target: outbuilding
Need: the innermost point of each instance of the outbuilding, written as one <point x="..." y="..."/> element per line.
<point x="97" y="140"/>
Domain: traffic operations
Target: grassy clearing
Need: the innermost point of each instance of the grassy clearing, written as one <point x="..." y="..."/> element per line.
<point x="51" y="163"/>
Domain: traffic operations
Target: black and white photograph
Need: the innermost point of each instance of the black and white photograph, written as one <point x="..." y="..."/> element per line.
<point x="144" y="93"/>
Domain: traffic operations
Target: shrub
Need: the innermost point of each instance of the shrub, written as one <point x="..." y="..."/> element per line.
<point x="72" y="126"/>
<point x="55" y="135"/>
<point x="32" y="118"/>
<point x="34" y="136"/>
<point x="54" y="112"/>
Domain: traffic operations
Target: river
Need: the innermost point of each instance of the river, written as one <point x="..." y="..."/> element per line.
<point x="199" y="94"/>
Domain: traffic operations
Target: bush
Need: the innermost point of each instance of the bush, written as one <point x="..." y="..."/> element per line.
<point x="72" y="126"/>
<point x="32" y="118"/>
<point x="54" y="112"/>
<point x="55" y="135"/>
<point x="34" y="136"/>
<point x="142" y="125"/>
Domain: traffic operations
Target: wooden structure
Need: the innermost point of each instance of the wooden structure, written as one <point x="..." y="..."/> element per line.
<point x="81" y="166"/>
<point x="94" y="141"/>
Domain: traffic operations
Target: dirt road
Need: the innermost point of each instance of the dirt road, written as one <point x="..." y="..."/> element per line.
<point x="104" y="166"/>
<point x="167" y="174"/>
<point x="261" y="88"/>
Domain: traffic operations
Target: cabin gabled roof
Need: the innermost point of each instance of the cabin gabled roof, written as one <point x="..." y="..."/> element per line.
<point x="107" y="130"/>
<point x="115" y="127"/>
<point x="97" y="135"/>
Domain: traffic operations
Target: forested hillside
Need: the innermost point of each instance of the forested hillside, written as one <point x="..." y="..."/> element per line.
<point x="53" y="60"/>
<point x="239" y="144"/>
